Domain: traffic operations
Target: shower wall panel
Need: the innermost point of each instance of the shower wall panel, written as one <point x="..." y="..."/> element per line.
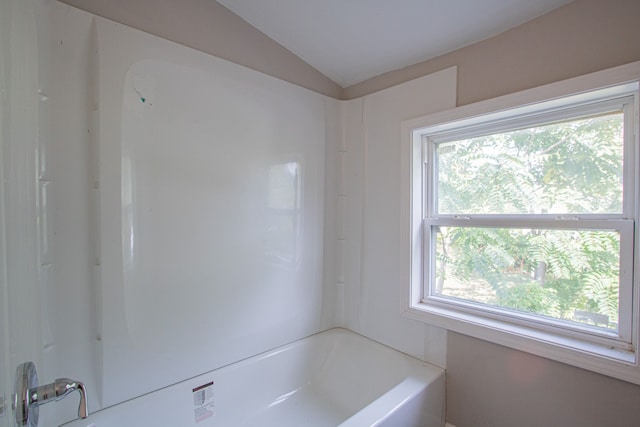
<point x="211" y="211"/>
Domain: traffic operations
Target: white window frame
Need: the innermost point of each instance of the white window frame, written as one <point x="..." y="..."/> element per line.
<point x="604" y="352"/>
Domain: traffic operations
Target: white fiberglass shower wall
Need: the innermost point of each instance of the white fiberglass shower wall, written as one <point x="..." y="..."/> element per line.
<point x="199" y="212"/>
<point x="200" y="207"/>
<point x="213" y="176"/>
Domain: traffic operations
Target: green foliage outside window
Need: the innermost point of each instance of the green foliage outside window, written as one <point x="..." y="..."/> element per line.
<point x="563" y="169"/>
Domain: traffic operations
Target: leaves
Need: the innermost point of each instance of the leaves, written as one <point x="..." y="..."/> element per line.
<point x="571" y="167"/>
<point x="563" y="168"/>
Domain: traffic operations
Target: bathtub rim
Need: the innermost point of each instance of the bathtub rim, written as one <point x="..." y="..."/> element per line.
<point x="418" y="371"/>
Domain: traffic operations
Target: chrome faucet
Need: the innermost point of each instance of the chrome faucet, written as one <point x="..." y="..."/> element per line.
<point x="59" y="390"/>
<point x="29" y="396"/>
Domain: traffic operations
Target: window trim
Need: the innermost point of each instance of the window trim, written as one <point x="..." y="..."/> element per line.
<point x="620" y="361"/>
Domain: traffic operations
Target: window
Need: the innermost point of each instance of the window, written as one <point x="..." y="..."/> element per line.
<point x="522" y="225"/>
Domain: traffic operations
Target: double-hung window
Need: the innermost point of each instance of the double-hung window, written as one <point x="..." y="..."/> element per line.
<point x="523" y="226"/>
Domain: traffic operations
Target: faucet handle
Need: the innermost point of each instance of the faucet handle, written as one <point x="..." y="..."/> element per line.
<point x="29" y="396"/>
<point x="58" y="390"/>
<point x="83" y="408"/>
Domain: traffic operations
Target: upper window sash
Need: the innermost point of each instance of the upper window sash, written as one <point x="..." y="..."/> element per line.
<point x="516" y="119"/>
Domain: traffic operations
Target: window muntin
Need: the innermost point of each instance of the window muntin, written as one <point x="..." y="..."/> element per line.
<point x="585" y="197"/>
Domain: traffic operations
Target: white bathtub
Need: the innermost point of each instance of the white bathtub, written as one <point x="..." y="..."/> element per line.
<point x="334" y="378"/>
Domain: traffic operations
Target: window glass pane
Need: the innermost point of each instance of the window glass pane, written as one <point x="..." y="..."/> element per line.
<point x="571" y="167"/>
<point x="565" y="274"/>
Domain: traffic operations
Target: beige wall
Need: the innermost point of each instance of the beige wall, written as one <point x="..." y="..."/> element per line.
<point x="579" y="38"/>
<point x="490" y="385"/>
<point x="208" y="26"/>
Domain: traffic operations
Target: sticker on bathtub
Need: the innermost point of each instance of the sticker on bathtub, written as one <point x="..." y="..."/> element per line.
<point x="203" y="402"/>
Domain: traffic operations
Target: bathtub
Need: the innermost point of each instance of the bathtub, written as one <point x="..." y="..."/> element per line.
<point x="334" y="378"/>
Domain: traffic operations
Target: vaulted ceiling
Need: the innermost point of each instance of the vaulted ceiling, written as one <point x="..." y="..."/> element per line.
<point x="352" y="40"/>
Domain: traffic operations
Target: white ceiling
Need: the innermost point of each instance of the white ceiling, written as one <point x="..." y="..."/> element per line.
<point x="352" y="40"/>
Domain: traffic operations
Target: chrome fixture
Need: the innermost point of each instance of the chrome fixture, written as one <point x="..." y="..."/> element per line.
<point x="29" y="396"/>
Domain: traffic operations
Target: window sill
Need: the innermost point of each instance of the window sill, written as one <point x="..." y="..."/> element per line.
<point x="602" y="359"/>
